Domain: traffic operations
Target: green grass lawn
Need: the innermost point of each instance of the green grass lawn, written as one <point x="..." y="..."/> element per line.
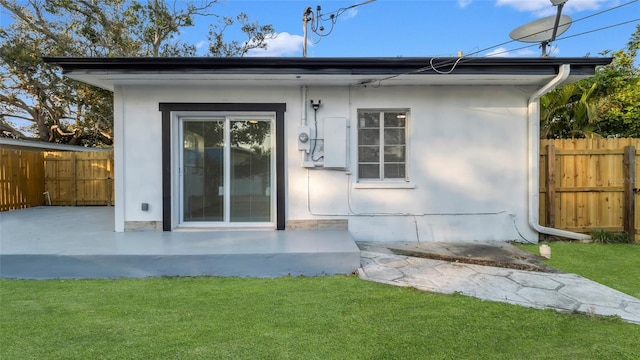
<point x="614" y="265"/>
<point x="333" y="317"/>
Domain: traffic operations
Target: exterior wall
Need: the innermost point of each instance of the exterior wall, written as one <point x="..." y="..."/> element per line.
<point x="467" y="160"/>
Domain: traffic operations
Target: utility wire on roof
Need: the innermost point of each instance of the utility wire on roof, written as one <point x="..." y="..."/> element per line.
<point x="461" y="59"/>
<point x="599" y="29"/>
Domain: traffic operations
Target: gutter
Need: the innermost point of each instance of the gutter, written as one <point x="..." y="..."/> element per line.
<point x="533" y="117"/>
<point x="363" y="66"/>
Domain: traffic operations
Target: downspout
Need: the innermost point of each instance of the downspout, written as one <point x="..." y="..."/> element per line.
<point x="533" y="115"/>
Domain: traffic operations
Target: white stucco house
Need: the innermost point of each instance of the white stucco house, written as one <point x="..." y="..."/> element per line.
<point x="392" y="149"/>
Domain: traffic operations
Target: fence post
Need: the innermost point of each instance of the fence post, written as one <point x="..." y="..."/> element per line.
<point x="74" y="181"/>
<point x="550" y="184"/>
<point x="629" y="195"/>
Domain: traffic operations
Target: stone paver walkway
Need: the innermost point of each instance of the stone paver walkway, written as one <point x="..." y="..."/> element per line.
<point x="562" y="292"/>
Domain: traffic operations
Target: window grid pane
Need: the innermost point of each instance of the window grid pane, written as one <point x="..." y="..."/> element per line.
<point x="394" y="171"/>
<point x="368" y="154"/>
<point x="369" y="136"/>
<point x="394" y="154"/>
<point x="369" y="171"/>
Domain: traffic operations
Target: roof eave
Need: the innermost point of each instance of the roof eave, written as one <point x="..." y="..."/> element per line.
<point x="330" y="65"/>
<point x="102" y="71"/>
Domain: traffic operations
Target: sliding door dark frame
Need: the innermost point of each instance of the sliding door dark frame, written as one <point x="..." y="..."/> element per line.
<point x="166" y="109"/>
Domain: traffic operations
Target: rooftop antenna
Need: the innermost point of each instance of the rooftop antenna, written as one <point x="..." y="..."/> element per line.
<point x="543" y="30"/>
<point x="317" y="18"/>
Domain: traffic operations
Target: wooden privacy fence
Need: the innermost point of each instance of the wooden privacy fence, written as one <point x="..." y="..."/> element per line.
<point x="585" y="184"/>
<point x="21" y="179"/>
<point x="32" y="178"/>
<point x="590" y="184"/>
<point x="79" y="178"/>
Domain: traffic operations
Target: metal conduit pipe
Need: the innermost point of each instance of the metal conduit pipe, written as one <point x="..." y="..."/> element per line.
<point x="533" y="117"/>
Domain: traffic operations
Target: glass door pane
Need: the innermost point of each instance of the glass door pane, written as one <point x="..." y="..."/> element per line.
<point x="251" y="163"/>
<point x="203" y="170"/>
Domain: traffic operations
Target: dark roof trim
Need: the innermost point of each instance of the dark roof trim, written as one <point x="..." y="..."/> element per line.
<point x="335" y="66"/>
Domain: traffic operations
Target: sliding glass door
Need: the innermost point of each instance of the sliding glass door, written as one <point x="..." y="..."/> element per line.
<point x="227" y="171"/>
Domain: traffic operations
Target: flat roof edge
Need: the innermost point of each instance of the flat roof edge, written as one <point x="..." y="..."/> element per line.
<point x="144" y="64"/>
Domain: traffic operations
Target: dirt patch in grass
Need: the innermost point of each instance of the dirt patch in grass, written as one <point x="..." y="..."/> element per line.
<point x="515" y="262"/>
<point x="502" y="255"/>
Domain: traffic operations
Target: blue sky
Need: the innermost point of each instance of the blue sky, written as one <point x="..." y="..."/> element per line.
<point x="432" y="27"/>
<point x="390" y="28"/>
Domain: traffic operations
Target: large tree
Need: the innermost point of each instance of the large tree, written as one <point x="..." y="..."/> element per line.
<point x="605" y="105"/>
<point x="59" y="109"/>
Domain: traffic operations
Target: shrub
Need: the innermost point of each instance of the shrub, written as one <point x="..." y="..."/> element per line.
<point x="609" y="237"/>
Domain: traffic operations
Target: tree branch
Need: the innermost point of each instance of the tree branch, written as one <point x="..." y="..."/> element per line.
<point x="20" y="104"/>
<point x="6" y="128"/>
<point x="7" y="115"/>
<point x="35" y="23"/>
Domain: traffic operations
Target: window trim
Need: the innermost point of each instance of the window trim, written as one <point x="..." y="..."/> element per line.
<point x="405" y="183"/>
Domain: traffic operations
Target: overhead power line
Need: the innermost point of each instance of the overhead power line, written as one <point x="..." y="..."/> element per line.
<point x="452" y="64"/>
<point x="571" y="36"/>
<point x="573" y="21"/>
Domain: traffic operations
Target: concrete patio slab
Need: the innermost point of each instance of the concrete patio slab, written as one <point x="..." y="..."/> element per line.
<point x="78" y="242"/>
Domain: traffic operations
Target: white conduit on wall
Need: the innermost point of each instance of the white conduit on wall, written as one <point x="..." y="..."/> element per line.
<point x="303" y="105"/>
<point x="303" y="115"/>
<point x="533" y="115"/>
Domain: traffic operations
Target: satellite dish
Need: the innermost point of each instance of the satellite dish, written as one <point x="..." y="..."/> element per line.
<point x="541" y="30"/>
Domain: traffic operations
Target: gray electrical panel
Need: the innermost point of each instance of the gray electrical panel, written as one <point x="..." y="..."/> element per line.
<point x="336" y="142"/>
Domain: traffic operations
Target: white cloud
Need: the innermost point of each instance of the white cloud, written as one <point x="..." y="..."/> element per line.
<point x="283" y="44"/>
<point x="351" y="13"/>
<point x="202" y="44"/>
<point x="545" y="8"/>
<point x="527" y="5"/>
<point x="498" y="52"/>
<point x="503" y="52"/>
<point x="464" y="3"/>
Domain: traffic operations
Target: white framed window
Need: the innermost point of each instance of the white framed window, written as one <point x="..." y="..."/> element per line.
<point x="382" y="145"/>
